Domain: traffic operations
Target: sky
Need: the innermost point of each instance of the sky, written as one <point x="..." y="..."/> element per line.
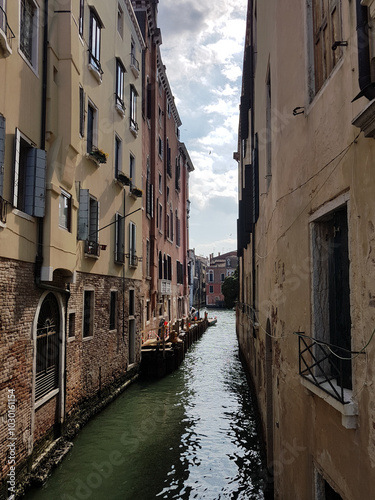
<point x="202" y="49"/>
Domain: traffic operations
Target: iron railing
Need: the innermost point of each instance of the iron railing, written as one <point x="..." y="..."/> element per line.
<point x="4" y="26"/>
<point x="316" y="365"/>
<point x="134" y="62"/>
<point x="95" y="63"/>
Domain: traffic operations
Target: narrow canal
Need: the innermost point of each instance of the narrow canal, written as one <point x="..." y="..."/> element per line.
<point x="190" y="435"/>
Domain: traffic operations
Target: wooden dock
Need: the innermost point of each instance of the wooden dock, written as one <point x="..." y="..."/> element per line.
<point x="162" y="356"/>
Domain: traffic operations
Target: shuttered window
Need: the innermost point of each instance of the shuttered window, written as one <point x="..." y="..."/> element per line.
<point x="326" y="31"/>
<point x="29" y="187"/>
<point x="119" y="239"/>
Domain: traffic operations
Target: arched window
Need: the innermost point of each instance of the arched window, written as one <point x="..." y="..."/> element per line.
<point x="47" y="347"/>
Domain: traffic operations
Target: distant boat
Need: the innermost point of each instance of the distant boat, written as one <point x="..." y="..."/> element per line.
<point x="212" y="321"/>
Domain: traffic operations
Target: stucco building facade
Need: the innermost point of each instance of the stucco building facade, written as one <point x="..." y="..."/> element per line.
<point x="73" y="205"/>
<point x="305" y="319"/>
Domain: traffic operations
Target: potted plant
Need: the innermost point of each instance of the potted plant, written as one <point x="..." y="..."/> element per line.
<point x="136" y="192"/>
<point x="98" y="155"/>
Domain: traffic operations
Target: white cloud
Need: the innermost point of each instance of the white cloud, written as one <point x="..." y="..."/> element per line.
<point x="203" y="56"/>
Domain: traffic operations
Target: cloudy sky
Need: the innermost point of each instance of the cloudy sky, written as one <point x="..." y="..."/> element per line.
<point x="202" y="50"/>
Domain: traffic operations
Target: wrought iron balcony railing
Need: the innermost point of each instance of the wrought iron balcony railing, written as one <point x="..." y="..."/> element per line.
<point x="316" y="365"/>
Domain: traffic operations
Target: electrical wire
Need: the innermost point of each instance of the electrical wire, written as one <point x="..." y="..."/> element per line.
<point x="343" y="152"/>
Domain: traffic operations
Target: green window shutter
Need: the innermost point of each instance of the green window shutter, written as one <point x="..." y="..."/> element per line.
<point x="83" y="214"/>
<point x="35" y="184"/>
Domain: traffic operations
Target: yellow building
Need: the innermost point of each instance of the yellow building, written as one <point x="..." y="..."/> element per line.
<point x="71" y="213"/>
<point x="305" y="319"/>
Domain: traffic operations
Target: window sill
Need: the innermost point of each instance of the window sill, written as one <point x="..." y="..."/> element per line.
<point x="87" y="338"/>
<point x="45" y="398"/>
<point x="120" y="110"/>
<point x="96" y="74"/>
<point x="349" y="411"/>
<point x="134" y="131"/>
<point x="365" y="120"/>
<point x="135" y="70"/>
<point x="23" y="215"/>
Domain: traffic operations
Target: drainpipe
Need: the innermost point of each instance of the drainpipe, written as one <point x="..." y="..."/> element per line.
<point x="39" y="255"/>
<point x="366" y="85"/>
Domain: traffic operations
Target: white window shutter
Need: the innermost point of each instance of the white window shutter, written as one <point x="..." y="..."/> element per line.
<point x="83" y="214"/>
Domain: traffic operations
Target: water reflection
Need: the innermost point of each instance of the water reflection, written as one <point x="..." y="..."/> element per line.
<point x="190" y="435"/>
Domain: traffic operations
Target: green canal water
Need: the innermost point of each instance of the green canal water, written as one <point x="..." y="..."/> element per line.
<point x="190" y="435"/>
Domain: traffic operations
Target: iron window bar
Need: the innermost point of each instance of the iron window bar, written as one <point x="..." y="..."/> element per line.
<point x="4" y="25"/>
<point x="133" y="124"/>
<point x="134" y="62"/>
<point x="120" y="102"/>
<point x="314" y="359"/>
<point x="95" y="62"/>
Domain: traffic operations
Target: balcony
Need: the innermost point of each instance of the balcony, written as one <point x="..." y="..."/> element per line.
<point x="133" y="127"/>
<point x="133" y="260"/>
<point x="92" y="248"/>
<point x="134" y="65"/>
<point x="317" y="366"/>
<point x="6" y="34"/>
<point x="95" y="67"/>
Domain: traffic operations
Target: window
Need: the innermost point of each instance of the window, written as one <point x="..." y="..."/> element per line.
<point x="160" y="183"/>
<point x="180" y="273"/>
<point x="160" y="266"/>
<point x="210" y="276"/>
<point x="88" y="313"/>
<point x="147" y="258"/>
<point x="169" y="264"/>
<point x="133" y="109"/>
<point x="147" y="310"/>
<point x="149" y="194"/>
<point x="92" y="121"/>
<point x="119" y="239"/>
<point x="94" y="42"/>
<point x="160" y="148"/>
<point x="331" y="296"/>
<point x="120" y="72"/>
<point x="113" y="310"/>
<point x="211" y="289"/>
<point x="177" y="174"/>
<point x="29" y="191"/>
<point x="131" y="303"/>
<point x="72" y="325"/>
<point x="133" y="259"/>
<point x="47" y="347"/>
<point x="120" y="21"/>
<point x="29" y="31"/>
<point x="178" y="231"/>
<point x="81" y="112"/>
<point x="65" y="204"/>
<point x="326" y="30"/>
<point x="133" y="60"/>
<point x="81" y="14"/>
<point x="160" y="217"/>
<point x="118" y="156"/>
<point x="149" y="100"/>
<point x="171" y="223"/>
<point x="88" y="222"/>
<point x="169" y="164"/>
<point x="132" y="169"/>
<point x="222" y="277"/>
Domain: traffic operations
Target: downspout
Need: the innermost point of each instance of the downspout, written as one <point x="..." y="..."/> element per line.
<point x="39" y="255"/>
<point x="366" y="85"/>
